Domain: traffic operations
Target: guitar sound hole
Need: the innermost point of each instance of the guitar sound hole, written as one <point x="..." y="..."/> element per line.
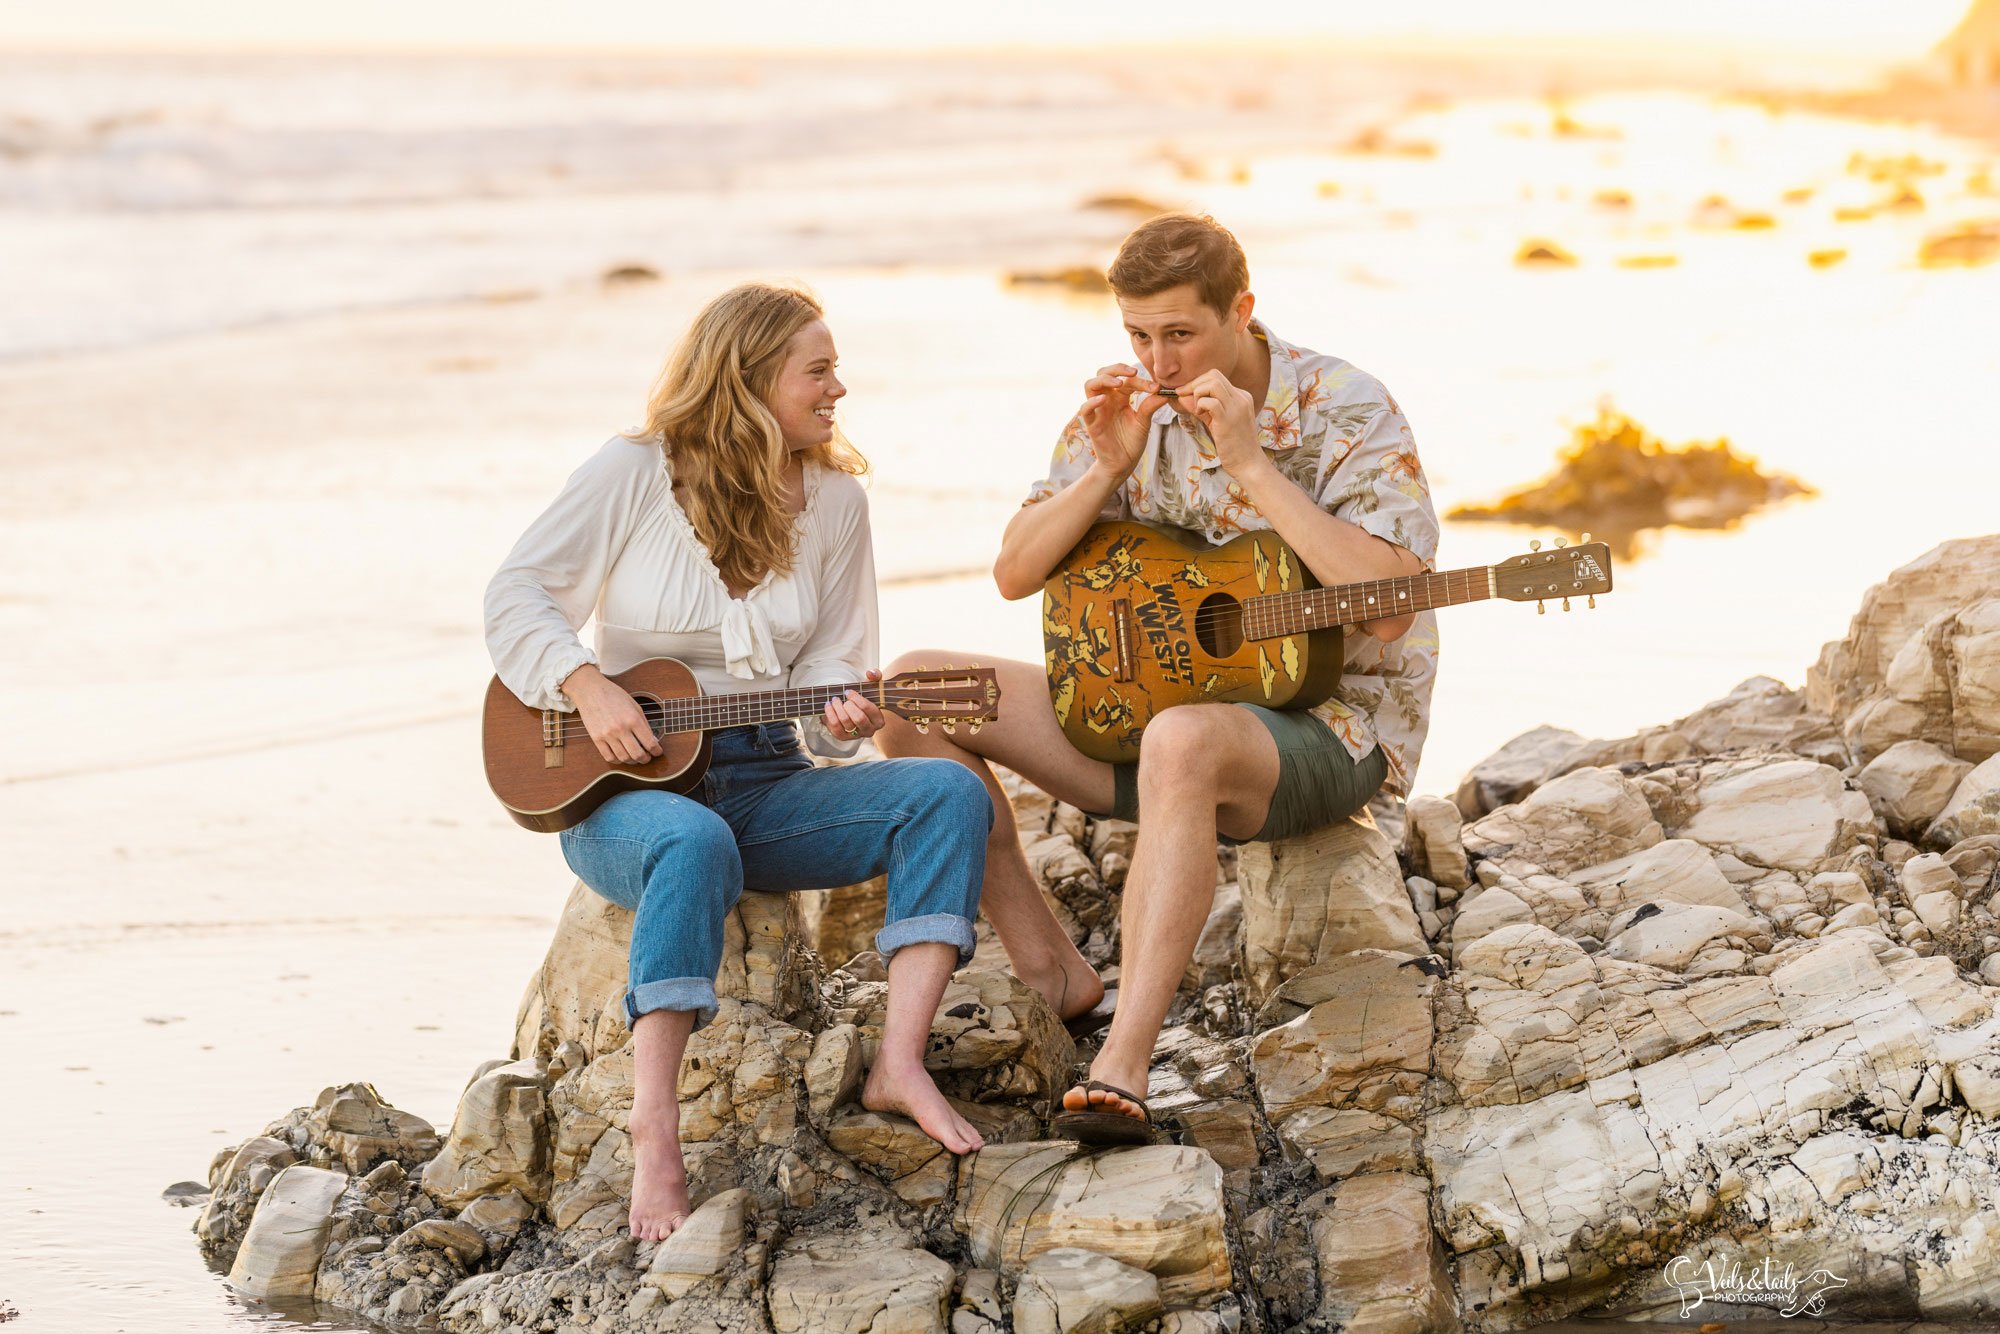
<point x="655" y="711"/>
<point x="1218" y="625"/>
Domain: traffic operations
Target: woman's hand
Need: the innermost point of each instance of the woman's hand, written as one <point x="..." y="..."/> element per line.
<point x="853" y="715"/>
<point x="1118" y="426"/>
<point x="617" y="725"/>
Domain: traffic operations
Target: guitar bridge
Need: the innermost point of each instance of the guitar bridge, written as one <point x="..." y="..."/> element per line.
<point x="1123" y="631"/>
<point x="552" y="738"/>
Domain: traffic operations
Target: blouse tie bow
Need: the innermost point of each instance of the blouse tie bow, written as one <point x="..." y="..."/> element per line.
<point x="746" y="640"/>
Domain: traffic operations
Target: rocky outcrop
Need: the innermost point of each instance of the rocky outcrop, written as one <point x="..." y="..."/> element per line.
<point x="1921" y="658"/>
<point x="1307" y="898"/>
<point x="1625" y="1016"/>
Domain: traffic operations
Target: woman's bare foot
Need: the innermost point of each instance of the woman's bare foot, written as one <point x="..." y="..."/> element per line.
<point x="659" y="1177"/>
<point x="912" y="1092"/>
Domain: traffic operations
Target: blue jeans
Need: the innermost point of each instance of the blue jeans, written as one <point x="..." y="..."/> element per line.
<point x="767" y="817"/>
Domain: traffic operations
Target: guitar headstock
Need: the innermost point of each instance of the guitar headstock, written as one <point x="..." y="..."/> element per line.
<point x="1564" y="572"/>
<point x="969" y="695"/>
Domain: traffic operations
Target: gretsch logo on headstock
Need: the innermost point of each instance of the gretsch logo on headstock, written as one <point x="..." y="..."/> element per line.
<point x="1587" y="568"/>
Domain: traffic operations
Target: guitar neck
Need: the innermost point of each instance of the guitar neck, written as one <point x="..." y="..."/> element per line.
<point x="1278" y="614"/>
<point x="707" y="713"/>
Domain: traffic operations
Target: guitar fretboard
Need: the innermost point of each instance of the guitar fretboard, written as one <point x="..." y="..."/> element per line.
<point x="703" y="713"/>
<point x="1278" y="614"/>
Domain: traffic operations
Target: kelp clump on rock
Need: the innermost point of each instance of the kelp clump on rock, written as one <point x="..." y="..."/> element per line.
<point x="1616" y="479"/>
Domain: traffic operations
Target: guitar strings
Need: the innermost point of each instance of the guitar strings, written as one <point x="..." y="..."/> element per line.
<point x="713" y="709"/>
<point x="1264" y="611"/>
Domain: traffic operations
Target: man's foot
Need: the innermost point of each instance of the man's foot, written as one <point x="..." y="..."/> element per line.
<point x="911" y="1092"/>
<point x="1072" y="988"/>
<point x="659" y="1178"/>
<point x="1095" y="1095"/>
<point x="1101" y="1114"/>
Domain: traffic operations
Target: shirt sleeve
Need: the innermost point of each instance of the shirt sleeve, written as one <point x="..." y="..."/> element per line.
<point x="1072" y="459"/>
<point x="549" y="584"/>
<point x="843" y="643"/>
<point x="1379" y="486"/>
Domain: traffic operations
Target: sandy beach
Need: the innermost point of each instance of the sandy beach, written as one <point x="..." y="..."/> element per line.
<point x="263" y="457"/>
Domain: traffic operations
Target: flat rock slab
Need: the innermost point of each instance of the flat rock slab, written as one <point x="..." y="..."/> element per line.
<point x="1790" y="814"/>
<point x="281" y="1252"/>
<point x="1584" y="818"/>
<point x="1157" y="1208"/>
<point x="1073" y="1291"/>
<point x="1309" y="898"/>
<point x="1368" y="1044"/>
<point x="1380" y="1265"/>
<point x="856" y="1283"/>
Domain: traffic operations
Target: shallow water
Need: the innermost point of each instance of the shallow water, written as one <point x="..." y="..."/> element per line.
<point x="260" y="468"/>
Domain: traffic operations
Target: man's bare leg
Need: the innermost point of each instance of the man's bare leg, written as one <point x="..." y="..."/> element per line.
<point x="1024" y="738"/>
<point x="1204" y="767"/>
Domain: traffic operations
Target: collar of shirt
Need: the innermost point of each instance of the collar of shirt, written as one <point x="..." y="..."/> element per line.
<point x="1277" y="421"/>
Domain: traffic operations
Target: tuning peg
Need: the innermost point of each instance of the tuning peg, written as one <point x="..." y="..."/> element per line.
<point x="923" y="725"/>
<point x="1535" y="545"/>
<point x="1592" y="602"/>
<point x="1565" y="604"/>
<point x="948" y="667"/>
<point x="950" y="728"/>
<point x="1540" y="610"/>
<point x="974" y="726"/>
<point x="1584" y="538"/>
<point x="1562" y="541"/>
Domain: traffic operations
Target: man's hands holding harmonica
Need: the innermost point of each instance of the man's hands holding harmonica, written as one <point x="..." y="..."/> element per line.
<point x="1119" y="407"/>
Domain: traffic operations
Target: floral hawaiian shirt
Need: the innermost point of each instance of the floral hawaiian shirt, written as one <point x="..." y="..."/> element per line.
<point x="1336" y="432"/>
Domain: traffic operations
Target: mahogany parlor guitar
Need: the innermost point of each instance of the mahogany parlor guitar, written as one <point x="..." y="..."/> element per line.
<point x="546" y="771"/>
<point x="1138" y="618"/>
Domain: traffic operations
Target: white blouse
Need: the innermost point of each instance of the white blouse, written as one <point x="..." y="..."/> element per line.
<point x="616" y="543"/>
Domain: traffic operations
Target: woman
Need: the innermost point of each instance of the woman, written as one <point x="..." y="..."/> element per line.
<point x="731" y="533"/>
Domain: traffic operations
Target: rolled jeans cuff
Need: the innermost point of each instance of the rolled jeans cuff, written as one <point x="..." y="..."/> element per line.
<point x="945" y="926"/>
<point x="673" y="993"/>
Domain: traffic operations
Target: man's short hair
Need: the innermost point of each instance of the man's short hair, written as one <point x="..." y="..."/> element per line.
<point x="1177" y="249"/>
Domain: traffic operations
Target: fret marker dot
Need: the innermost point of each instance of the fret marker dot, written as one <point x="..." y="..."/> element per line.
<point x="1401" y="596"/>
<point x="1371" y="601"/>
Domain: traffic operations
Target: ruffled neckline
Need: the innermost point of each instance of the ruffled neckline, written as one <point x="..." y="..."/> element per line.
<point x="683" y="526"/>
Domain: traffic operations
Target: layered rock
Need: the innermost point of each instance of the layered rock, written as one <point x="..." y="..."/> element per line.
<point x="1921" y="658"/>
<point x="1714" y="998"/>
<point x="1307" y="898"/>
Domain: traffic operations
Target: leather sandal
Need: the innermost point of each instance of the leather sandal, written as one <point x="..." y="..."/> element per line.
<point x="1101" y="1128"/>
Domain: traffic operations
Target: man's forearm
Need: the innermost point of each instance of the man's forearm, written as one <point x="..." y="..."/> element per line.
<point x="1337" y="552"/>
<point x="1042" y="534"/>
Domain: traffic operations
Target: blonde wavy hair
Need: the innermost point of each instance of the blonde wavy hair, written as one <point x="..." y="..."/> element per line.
<point x="723" y="445"/>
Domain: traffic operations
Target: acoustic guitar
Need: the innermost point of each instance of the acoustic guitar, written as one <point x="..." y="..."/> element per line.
<point x="1139" y="618"/>
<point x="546" y="771"/>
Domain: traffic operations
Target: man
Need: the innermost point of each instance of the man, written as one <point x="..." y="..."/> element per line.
<point x="1261" y="434"/>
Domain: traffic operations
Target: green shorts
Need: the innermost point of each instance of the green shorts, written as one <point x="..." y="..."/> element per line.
<point x="1318" y="781"/>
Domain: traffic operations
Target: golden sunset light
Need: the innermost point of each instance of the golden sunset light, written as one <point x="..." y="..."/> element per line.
<point x="1184" y="668"/>
<point x="1887" y="31"/>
